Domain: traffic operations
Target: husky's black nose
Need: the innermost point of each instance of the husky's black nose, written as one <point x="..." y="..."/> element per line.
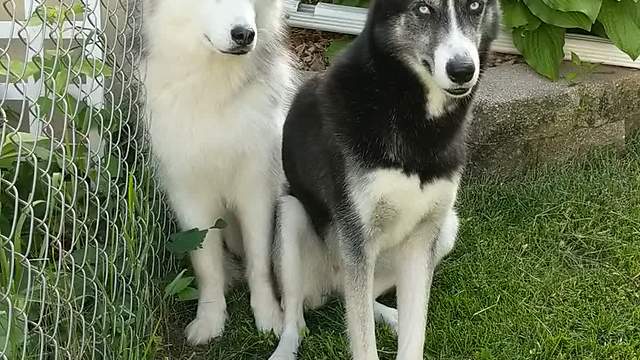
<point x="460" y="70"/>
<point x="242" y="36"/>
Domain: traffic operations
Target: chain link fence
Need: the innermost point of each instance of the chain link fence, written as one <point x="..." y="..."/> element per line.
<point x="82" y="222"/>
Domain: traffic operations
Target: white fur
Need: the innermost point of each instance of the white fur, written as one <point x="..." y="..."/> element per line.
<point x="412" y="228"/>
<point x="216" y="131"/>
<point x="456" y="44"/>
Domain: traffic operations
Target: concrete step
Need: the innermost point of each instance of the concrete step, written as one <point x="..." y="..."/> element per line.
<point x="522" y="120"/>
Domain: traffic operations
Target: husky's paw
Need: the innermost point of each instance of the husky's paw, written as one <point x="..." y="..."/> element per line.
<point x="278" y="355"/>
<point x="268" y="316"/>
<point x="204" y="328"/>
<point x="288" y="345"/>
<point x="387" y="315"/>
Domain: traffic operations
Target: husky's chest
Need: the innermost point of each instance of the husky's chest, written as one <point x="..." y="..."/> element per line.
<point x="391" y="204"/>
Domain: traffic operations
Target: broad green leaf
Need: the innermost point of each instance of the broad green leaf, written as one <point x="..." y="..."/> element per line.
<point x="34" y="20"/>
<point x="77" y="8"/>
<point x="61" y="83"/>
<point x="516" y="14"/>
<point x="559" y="18"/>
<point x="17" y="70"/>
<point x="188" y="294"/>
<point x="591" y="8"/>
<point x="92" y="68"/>
<point x="45" y="108"/>
<point x="542" y="48"/>
<point x="12" y="329"/>
<point x="621" y="21"/>
<point x="598" y="30"/>
<point x="183" y="242"/>
<point x="179" y="283"/>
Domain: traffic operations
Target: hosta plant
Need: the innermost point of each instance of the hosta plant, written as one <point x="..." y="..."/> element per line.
<point x="539" y="27"/>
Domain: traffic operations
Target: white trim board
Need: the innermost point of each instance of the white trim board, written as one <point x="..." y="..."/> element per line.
<point x="351" y="20"/>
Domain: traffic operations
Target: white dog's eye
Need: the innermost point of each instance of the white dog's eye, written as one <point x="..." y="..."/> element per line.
<point x="475" y="6"/>
<point x="424" y="9"/>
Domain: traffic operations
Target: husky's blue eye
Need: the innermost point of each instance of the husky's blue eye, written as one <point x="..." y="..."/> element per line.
<point x="424" y="9"/>
<point x="475" y="6"/>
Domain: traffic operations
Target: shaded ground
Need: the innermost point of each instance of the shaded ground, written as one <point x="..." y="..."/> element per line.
<point x="547" y="267"/>
<point x="309" y="49"/>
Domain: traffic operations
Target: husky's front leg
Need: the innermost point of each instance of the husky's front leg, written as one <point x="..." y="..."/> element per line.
<point x="256" y="213"/>
<point x="358" y="259"/>
<point x="414" y="275"/>
<point x="289" y="257"/>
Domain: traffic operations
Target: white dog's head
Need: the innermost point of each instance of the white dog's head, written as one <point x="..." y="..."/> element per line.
<point x="230" y="25"/>
<point x="226" y="27"/>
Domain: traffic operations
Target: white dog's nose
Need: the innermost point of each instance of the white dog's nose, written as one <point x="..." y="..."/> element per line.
<point x="242" y="36"/>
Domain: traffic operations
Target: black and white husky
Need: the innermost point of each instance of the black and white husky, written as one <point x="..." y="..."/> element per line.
<point x="373" y="153"/>
<point x="218" y="88"/>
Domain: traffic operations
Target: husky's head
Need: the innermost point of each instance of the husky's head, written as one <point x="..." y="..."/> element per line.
<point x="225" y="27"/>
<point x="444" y="41"/>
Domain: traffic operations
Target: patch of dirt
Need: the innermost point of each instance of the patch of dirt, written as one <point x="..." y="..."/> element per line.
<point x="309" y="50"/>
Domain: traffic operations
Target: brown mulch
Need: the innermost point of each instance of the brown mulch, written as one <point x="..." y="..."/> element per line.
<point x="308" y="48"/>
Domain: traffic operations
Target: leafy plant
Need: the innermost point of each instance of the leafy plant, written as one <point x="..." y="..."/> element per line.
<point x="539" y="27"/>
<point x="581" y="70"/>
<point x="71" y="216"/>
<point x="179" y="245"/>
<point x="184" y="242"/>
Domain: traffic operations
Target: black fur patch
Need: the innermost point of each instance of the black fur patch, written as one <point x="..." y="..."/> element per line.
<point x="368" y="111"/>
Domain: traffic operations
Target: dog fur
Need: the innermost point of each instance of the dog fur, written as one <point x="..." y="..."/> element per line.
<point x="373" y="153"/>
<point x="216" y="114"/>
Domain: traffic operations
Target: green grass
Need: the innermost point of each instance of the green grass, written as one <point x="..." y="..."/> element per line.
<point x="547" y="266"/>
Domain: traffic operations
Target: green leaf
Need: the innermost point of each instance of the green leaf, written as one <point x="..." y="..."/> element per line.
<point x="188" y="294"/>
<point x="621" y="21"/>
<point x="183" y="242"/>
<point x="61" y="83"/>
<point x="571" y="76"/>
<point x="575" y="59"/>
<point x="77" y="8"/>
<point x="178" y="284"/>
<point x="516" y="14"/>
<point x="598" y="30"/>
<point x="559" y="18"/>
<point x="542" y="48"/>
<point x="591" y="8"/>
<point x="17" y="70"/>
<point x="92" y="68"/>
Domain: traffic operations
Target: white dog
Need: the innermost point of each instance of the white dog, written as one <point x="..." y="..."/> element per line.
<point x="218" y="83"/>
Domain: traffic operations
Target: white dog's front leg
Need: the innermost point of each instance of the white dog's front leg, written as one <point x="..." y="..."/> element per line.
<point x="212" y="307"/>
<point x="256" y="214"/>
<point x="195" y="211"/>
<point x="414" y="274"/>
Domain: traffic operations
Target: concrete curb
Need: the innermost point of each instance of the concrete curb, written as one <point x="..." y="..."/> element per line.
<point x="523" y="120"/>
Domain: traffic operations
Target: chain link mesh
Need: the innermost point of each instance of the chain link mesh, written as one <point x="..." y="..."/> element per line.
<point x="81" y="219"/>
